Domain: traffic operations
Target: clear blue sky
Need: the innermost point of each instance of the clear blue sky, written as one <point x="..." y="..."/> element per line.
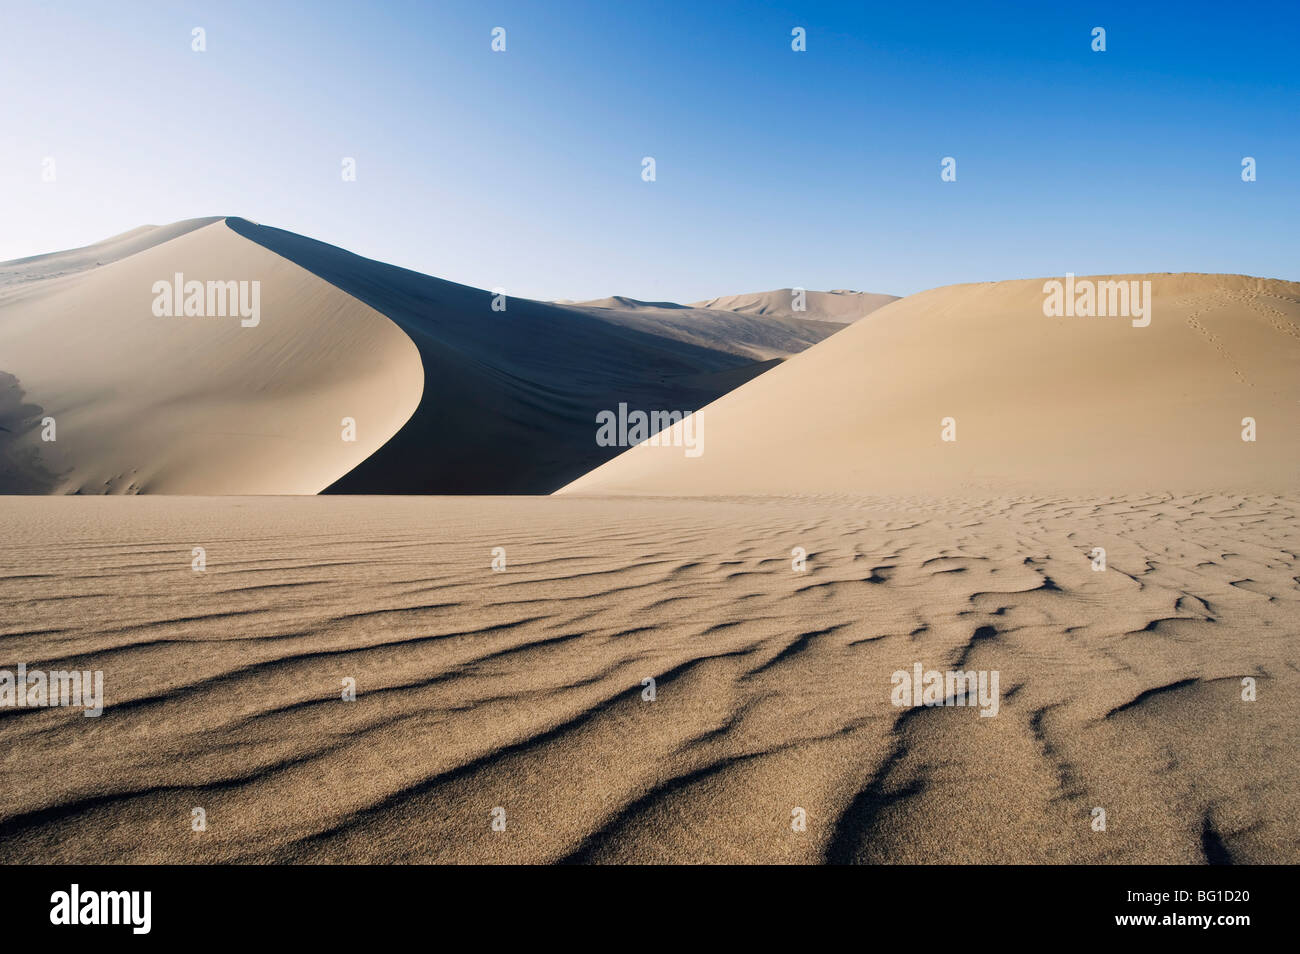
<point x="523" y="169"/>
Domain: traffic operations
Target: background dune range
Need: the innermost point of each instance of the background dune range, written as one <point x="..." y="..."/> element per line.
<point x="522" y="688"/>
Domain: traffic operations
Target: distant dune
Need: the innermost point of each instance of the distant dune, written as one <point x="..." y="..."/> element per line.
<point x="763" y="325"/>
<point x="448" y="394"/>
<point x="840" y="305"/>
<point x="1038" y="403"/>
<point x="753" y="334"/>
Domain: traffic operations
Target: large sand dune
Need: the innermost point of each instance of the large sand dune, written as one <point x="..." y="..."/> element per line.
<point x="1043" y="404"/>
<point x="143" y="403"/>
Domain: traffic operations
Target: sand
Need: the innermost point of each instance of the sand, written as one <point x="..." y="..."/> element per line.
<point x="840" y="306"/>
<point x="522" y="689"/>
<point x="1039" y="405"/>
<point x="64" y="264"/>
<point x="759" y="338"/>
<point x="511" y="397"/>
<point x="182" y="405"/>
<point x="761" y="326"/>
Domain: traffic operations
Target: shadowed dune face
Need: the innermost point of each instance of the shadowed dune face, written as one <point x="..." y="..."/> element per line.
<point x="1037" y="403"/>
<point x="191" y="404"/>
<point x="524" y="688"/>
<point x="511" y="396"/>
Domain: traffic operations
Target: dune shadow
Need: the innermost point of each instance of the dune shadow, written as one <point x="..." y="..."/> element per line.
<point x="21" y="469"/>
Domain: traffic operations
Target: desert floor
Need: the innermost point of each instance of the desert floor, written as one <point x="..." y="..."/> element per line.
<point x="522" y="689"/>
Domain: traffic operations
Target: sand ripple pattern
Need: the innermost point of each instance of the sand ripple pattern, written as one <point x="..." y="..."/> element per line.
<point x="523" y="689"/>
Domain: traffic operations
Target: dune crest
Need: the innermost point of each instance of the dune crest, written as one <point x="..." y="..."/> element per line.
<point x="115" y="248"/>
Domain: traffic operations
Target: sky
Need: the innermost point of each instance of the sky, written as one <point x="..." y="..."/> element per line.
<point x="522" y="169"/>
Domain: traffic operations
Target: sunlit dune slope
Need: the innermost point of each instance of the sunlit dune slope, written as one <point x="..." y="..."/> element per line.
<point x="1035" y="402"/>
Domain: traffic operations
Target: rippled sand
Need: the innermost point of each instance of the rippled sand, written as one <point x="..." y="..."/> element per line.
<point x="522" y="689"/>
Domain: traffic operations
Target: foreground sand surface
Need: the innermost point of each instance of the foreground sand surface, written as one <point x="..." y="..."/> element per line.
<point x="522" y="689"/>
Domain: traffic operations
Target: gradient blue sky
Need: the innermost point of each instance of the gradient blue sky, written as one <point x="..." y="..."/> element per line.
<point x="522" y="169"/>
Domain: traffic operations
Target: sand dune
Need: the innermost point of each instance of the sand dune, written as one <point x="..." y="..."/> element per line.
<point x="755" y="338"/>
<point x="523" y="689"/>
<point x="839" y="306"/>
<point x="448" y="394"/>
<point x="1040" y="404"/>
<point x="147" y="404"/>
<point x="762" y="325"/>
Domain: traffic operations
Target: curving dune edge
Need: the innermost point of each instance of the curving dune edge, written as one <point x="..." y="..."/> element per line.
<point x="198" y="404"/>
